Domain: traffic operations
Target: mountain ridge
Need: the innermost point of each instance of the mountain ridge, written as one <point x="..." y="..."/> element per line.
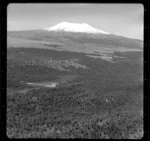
<point x="74" y="37"/>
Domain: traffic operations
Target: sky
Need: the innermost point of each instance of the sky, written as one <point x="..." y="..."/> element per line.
<point x="121" y="19"/>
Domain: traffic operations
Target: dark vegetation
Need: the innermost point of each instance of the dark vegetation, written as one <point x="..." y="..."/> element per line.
<point x="104" y="101"/>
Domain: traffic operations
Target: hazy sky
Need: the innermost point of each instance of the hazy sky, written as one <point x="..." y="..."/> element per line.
<point x="120" y="19"/>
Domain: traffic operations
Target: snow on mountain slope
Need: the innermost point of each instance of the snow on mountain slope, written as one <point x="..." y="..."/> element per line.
<point x="75" y="27"/>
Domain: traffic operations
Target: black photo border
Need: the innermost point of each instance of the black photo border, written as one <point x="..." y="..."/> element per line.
<point x="3" y="57"/>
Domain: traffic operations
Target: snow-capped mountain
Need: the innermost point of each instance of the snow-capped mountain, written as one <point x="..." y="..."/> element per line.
<point x="75" y="27"/>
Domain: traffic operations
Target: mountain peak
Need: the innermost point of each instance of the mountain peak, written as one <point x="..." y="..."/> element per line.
<point x="75" y="27"/>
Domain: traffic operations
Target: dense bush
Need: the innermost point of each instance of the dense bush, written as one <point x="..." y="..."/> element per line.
<point x="104" y="101"/>
<point x="61" y="114"/>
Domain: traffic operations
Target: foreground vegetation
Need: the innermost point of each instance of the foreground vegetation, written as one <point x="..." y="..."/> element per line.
<point x="103" y="101"/>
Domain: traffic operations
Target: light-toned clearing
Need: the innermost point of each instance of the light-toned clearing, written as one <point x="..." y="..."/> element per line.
<point x="56" y="64"/>
<point x="43" y="84"/>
